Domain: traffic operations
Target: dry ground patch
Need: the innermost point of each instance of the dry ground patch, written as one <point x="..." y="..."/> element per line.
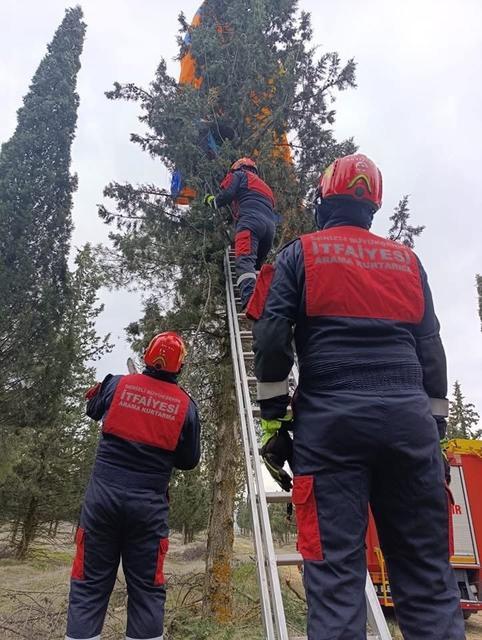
<point x="33" y="595"/>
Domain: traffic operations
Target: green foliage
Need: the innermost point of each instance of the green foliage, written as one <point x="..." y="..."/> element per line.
<point x="281" y="527"/>
<point x="187" y="623"/>
<point x="243" y="518"/>
<point x="401" y="231"/>
<point x="47" y="319"/>
<point x="463" y="418"/>
<point x="189" y="502"/>
<point x="262" y="77"/>
<point x="52" y="460"/>
<point x="478" y="282"/>
<point x="35" y="225"/>
<point x="265" y="52"/>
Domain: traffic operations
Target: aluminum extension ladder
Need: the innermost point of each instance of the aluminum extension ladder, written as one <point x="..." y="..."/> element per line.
<point x="267" y="561"/>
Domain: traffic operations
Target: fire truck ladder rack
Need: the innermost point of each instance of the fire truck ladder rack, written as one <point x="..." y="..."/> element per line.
<point x="267" y="561"/>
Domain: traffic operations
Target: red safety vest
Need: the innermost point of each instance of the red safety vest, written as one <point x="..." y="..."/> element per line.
<point x="353" y="273"/>
<point x="148" y="411"/>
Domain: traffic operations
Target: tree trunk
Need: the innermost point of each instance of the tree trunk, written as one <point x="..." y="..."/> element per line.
<point x="14" y="532"/>
<point x="31" y="520"/>
<point x="217" y="600"/>
<point x="29" y="528"/>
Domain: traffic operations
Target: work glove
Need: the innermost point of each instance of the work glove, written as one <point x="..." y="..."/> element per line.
<point x="210" y="201"/>
<point x="93" y="391"/>
<point x="277" y="448"/>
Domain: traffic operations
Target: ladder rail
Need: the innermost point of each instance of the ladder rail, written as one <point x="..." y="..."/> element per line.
<point x="252" y="442"/>
<point x="376" y="619"/>
<point x="250" y="479"/>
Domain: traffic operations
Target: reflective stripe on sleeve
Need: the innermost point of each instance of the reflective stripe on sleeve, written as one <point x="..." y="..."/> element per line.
<point x="439" y="406"/>
<point x="245" y="276"/>
<point x="267" y="390"/>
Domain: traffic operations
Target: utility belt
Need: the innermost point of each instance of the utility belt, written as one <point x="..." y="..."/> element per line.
<point x="129" y="479"/>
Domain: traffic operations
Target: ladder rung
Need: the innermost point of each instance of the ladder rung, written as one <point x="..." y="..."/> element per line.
<point x="246" y="334"/>
<point x="251" y="379"/>
<point x="278" y="496"/>
<point x="288" y="559"/>
<point x="257" y="411"/>
<point x="369" y="637"/>
<point x="248" y="355"/>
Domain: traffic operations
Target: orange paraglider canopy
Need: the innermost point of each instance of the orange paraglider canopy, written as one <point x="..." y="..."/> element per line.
<point x="192" y="75"/>
<point x="188" y="63"/>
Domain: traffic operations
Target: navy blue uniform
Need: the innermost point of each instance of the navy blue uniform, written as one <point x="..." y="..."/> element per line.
<point x="370" y="358"/>
<point x="253" y="204"/>
<point x="150" y="426"/>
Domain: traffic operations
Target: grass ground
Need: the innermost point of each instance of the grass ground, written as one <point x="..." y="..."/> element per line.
<point x="33" y="596"/>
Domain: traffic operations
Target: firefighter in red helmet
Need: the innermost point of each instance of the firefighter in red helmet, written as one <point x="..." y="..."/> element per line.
<point x="253" y="210"/>
<point x="149" y="426"/>
<point x="372" y="376"/>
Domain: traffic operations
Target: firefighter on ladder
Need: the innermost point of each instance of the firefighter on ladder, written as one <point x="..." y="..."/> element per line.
<point x="150" y="425"/>
<point x="370" y="360"/>
<point x="253" y="207"/>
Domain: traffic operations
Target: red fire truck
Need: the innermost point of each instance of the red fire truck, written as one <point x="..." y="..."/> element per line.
<point x="465" y="457"/>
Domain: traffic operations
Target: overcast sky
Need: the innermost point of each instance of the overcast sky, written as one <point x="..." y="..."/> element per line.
<point x="417" y="112"/>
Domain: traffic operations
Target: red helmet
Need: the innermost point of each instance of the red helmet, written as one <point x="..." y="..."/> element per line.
<point x="355" y="177"/>
<point x="244" y="163"/>
<point x="166" y="351"/>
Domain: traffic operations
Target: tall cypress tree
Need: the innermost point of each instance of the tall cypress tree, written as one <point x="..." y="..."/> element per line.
<point x="263" y="77"/>
<point x="36" y="189"/>
<point x="41" y="342"/>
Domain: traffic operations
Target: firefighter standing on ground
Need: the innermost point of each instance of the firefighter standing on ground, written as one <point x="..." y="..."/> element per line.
<point x="370" y="359"/>
<point x="253" y="208"/>
<point x="150" y="425"/>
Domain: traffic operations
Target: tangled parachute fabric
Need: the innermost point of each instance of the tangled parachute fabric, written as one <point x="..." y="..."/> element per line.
<point x="213" y="134"/>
